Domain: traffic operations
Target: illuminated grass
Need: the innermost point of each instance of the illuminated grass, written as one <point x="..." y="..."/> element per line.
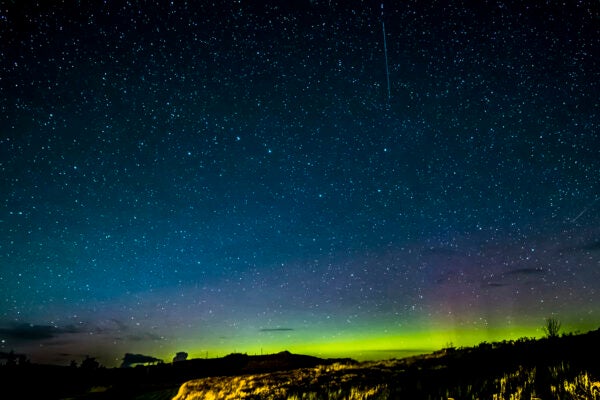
<point x="394" y="379"/>
<point x="335" y="381"/>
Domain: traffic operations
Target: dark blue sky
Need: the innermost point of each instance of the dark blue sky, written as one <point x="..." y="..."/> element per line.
<point x="200" y="177"/>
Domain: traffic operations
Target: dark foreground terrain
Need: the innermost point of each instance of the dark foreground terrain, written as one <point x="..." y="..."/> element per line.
<point x="552" y="368"/>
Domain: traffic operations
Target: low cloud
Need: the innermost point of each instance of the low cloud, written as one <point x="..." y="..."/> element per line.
<point x="131" y="359"/>
<point x="32" y="333"/>
<point x="7" y="356"/>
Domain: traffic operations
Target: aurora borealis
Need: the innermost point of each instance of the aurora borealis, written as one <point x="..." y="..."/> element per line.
<point x="233" y="177"/>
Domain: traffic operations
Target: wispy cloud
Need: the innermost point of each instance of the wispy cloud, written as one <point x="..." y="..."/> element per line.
<point x="495" y="284"/>
<point x="590" y="246"/>
<point x="512" y="276"/>
<point x="145" y="336"/>
<point x="120" y="324"/>
<point x="276" y="329"/>
<point x="525" y="271"/>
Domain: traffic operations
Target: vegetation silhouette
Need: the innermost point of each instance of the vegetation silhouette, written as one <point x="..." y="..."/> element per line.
<point x="564" y="367"/>
<point x="552" y="327"/>
<point x="180" y="356"/>
<point x="90" y="363"/>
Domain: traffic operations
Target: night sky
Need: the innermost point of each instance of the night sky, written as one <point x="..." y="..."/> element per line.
<point x="233" y="177"/>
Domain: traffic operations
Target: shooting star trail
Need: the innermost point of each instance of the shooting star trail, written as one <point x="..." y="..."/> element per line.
<point x="387" y="69"/>
<point x="584" y="210"/>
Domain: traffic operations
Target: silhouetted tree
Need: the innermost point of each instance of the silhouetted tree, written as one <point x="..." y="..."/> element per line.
<point x="90" y="363"/>
<point x="11" y="359"/>
<point x="552" y="327"/>
<point x="181" y="356"/>
<point x="22" y="359"/>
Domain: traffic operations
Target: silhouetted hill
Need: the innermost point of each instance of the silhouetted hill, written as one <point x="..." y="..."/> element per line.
<point x="55" y="382"/>
<point x="545" y="368"/>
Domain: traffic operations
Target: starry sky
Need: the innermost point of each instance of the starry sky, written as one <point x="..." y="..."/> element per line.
<point x="218" y="177"/>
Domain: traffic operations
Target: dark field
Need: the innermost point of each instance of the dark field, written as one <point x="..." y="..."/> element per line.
<point x="551" y="368"/>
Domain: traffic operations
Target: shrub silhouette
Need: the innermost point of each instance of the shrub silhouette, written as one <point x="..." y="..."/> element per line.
<point x="90" y="363"/>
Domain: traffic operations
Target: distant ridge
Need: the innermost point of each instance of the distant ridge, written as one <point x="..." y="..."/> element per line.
<point x="558" y="367"/>
<point x="237" y="363"/>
